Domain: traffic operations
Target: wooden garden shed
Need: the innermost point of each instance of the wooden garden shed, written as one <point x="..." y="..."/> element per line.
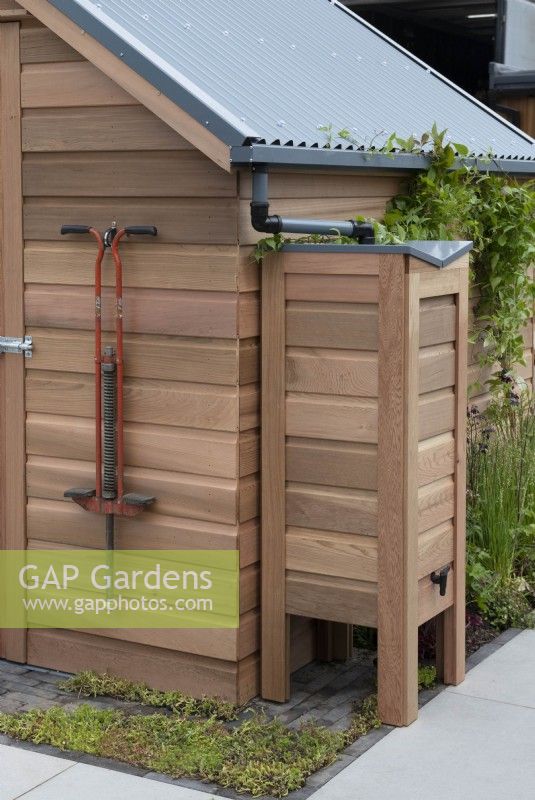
<point x="173" y="114"/>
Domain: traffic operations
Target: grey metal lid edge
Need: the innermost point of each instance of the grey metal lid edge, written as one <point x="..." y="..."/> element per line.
<point x="438" y="254"/>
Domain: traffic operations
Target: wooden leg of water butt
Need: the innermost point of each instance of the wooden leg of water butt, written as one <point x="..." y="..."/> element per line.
<point x="334" y="641"/>
<point x="399" y="311"/>
<point x="275" y="679"/>
<point x="453" y="623"/>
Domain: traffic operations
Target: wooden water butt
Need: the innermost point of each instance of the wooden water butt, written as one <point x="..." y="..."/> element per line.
<point x="363" y="454"/>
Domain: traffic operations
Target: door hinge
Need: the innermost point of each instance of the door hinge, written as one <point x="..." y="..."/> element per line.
<point x="9" y="345"/>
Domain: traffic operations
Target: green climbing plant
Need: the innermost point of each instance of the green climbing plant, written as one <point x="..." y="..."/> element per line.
<point x="452" y="199"/>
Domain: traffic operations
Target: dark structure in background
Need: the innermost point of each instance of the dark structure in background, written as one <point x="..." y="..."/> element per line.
<point x="459" y="39"/>
<point x="487" y="48"/>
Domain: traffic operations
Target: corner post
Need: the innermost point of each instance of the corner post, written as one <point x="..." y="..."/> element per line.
<point x="398" y="492"/>
<point x="451" y="628"/>
<point x="275" y="668"/>
<point x="12" y="402"/>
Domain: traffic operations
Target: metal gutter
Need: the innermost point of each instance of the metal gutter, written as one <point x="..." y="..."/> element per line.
<point x="438" y="254"/>
<point x="324" y="158"/>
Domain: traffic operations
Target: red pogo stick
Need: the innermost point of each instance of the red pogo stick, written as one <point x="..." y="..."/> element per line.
<point x="108" y="497"/>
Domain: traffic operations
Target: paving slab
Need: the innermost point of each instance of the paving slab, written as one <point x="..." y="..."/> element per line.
<point x="83" y="782"/>
<point x="508" y="676"/>
<point x="21" y="770"/>
<point x="459" y="747"/>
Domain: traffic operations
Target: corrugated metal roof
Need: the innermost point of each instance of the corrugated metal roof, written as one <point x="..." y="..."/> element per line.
<point x="279" y="70"/>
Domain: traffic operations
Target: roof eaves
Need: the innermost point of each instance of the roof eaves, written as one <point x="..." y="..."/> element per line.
<point x="154" y="74"/>
<point x="327" y="158"/>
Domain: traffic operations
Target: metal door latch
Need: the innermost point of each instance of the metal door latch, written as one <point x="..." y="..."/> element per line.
<point x="9" y="345"/>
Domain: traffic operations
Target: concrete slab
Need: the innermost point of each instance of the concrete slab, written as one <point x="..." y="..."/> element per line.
<point x="508" y="676"/>
<point x="83" y="782"/>
<point x="21" y="770"/>
<point x="459" y="747"/>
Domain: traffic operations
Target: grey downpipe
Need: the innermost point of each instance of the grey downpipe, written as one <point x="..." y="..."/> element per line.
<point x="263" y="222"/>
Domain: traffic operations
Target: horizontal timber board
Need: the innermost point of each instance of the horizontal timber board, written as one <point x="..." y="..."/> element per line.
<point x="177" y="173"/>
<point x="436" y="503"/>
<point x="349" y="419"/>
<point x="177" y="494"/>
<point x="150" y="446"/>
<point x="436" y="413"/>
<point x="335" y="372"/>
<point x="437" y="368"/>
<point x="249" y="356"/>
<point x="189" y="220"/>
<point x="354" y="466"/>
<point x="163" y="669"/>
<point x="334" y="599"/>
<point x="182" y="405"/>
<point x="317" y="263"/>
<point x="222" y="643"/>
<point x="322" y="208"/>
<point x="435" y="283"/>
<point x="106" y="128"/>
<point x="155" y="266"/>
<point x="351" y="511"/>
<point x="66" y="524"/>
<point x="356" y="373"/>
<point x="335" y="554"/>
<point x="336" y="325"/>
<point x="331" y="463"/>
<point x="317" y="184"/>
<point x="436" y="458"/>
<point x="435" y="548"/>
<point x="437" y="321"/>
<point x="249" y="407"/>
<point x="327" y="417"/>
<point x="192" y="360"/>
<point x="249" y="452"/>
<point x="61" y="84"/>
<point x="153" y="311"/>
<point x="39" y="45"/>
<point x="333" y="288"/>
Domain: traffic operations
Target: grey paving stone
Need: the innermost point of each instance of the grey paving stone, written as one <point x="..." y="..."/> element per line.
<point x="31" y="690"/>
<point x="110" y="763"/>
<point x="365" y="742"/>
<point x="11" y="667"/>
<point x="325" y="774"/>
<point x="46" y="677"/>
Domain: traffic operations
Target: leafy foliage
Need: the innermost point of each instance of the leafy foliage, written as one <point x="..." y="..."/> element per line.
<point x="454" y="200"/>
<point x="427" y="677"/>
<point x="501" y="508"/>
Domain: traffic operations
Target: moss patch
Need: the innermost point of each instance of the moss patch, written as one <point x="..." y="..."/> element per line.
<point x="91" y="684"/>
<point x="260" y="756"/>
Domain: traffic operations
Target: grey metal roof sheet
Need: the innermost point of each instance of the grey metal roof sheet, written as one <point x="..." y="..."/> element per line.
<point x="278" y="70"/>
<point x="437" y="253"/>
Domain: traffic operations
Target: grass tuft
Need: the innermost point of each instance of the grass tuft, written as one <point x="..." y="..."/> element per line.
<point x="91" y="684"/>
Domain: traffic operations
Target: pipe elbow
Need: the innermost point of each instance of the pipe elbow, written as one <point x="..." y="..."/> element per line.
<point x="261" y="221"/>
